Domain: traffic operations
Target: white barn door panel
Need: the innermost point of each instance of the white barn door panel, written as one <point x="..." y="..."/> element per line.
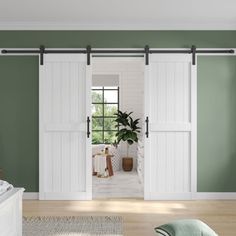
<point x="170" y="149"/>
<point x="65" y="155"/>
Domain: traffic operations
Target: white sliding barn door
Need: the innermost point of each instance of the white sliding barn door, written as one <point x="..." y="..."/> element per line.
<point x="170" y="149"/>
<point x="65" y="155"/>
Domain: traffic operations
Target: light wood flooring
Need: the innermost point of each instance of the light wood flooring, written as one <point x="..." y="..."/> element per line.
<point x="140" y="217"/>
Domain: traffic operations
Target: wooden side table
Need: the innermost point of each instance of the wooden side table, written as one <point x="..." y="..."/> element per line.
<point x="109" y="165"/>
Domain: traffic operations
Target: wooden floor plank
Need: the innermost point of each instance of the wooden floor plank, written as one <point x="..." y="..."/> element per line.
<point x="140" y="217"/>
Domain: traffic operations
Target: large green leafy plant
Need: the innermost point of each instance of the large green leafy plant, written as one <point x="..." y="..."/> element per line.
<point x="128" y="129"/>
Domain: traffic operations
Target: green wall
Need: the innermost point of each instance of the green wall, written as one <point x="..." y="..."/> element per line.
<point x="117" y="38"/>
<point x="216" y="99"/>
<point x="19" y="120"/>
<point x="216" y="124"/>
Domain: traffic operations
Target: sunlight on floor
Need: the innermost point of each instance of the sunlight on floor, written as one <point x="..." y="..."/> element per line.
<point x="127" y="206"/>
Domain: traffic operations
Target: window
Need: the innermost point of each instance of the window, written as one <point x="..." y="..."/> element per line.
<point x="105" y="103"/>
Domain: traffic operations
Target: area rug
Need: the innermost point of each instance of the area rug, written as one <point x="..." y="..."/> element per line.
<point x="73" y="226"/>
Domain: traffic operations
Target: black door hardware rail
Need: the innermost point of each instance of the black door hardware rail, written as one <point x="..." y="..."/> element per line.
<point x="146" y="51"/>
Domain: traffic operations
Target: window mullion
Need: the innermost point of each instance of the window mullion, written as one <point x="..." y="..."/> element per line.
<point x="103" y="114"/>
<point x="103" y="103"/>
<point x="118" y="92"/>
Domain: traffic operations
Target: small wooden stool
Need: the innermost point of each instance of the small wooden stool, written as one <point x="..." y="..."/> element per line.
<point x="109" y="165"/>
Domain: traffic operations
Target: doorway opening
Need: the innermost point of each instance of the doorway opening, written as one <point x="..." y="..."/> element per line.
<point x="118" y="167"/>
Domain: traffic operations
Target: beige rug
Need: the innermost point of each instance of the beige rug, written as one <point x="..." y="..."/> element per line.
<point x="73" y="226"/>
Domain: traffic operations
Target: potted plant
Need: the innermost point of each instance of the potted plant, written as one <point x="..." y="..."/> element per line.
<point x="128" y="132"/>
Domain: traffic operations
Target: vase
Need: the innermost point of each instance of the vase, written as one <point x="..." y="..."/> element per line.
<point x="127" y="163"/>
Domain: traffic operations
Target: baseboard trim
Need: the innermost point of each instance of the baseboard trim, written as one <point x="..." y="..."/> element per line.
<point x="214" y="196"/>
<point x="30" y="195"/>
<point x="195" y="196"/>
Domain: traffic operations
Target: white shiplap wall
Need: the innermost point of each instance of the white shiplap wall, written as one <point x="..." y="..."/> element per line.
<point x="131" y="83"/>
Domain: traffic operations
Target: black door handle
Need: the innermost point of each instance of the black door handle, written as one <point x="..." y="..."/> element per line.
<point x="147" y="127"/>
<point x="88" y="127"/>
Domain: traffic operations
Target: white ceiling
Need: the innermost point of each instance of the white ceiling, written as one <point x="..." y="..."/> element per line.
<point x="118" y="14"/>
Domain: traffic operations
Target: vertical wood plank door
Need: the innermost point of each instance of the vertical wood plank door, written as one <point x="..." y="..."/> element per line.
<point x="64" y="148"/>
<point x="170" y="149"/>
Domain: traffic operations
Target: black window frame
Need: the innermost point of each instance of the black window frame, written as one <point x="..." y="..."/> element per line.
<point x="106" y="88"/>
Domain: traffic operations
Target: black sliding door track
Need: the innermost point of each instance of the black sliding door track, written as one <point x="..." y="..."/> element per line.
<point x="146" y="51"/>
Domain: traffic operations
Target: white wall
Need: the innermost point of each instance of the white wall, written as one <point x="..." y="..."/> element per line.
<point x="131" y="83"/>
